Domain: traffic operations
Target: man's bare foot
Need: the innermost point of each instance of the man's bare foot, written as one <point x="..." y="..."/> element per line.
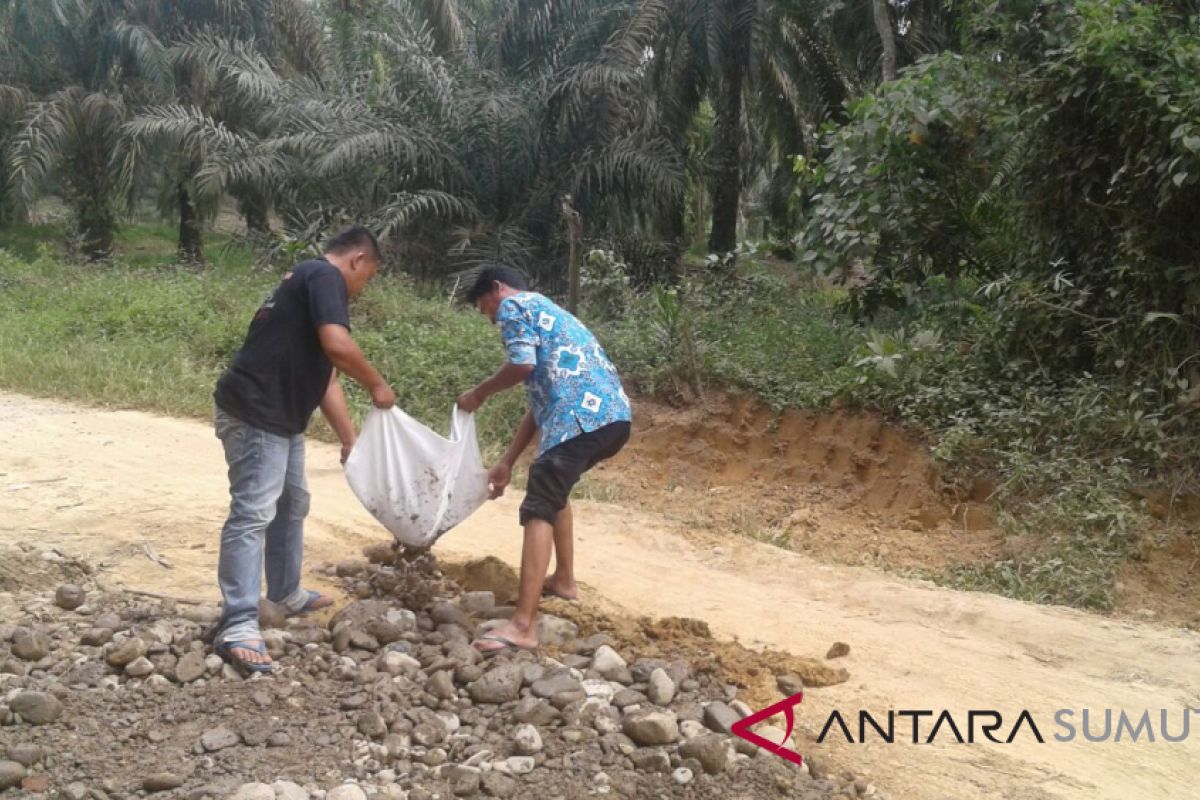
<point x="564" y="590"/>
<point x="507" y="637"/>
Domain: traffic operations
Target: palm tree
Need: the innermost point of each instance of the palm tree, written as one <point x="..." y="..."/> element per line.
<point x="227" y="59"/>
<point x="85" y="64"/>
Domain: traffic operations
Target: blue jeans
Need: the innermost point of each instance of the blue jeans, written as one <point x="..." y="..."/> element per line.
<point x="268" y="503"/>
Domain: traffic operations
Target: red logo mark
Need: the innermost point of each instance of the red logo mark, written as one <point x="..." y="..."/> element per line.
<point x="742" y="728"/>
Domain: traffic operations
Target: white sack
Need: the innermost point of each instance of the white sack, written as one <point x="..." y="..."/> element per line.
<point x="414" y="481"/>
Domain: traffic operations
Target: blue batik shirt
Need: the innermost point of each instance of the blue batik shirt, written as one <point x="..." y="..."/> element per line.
<point x="574" y="388"/>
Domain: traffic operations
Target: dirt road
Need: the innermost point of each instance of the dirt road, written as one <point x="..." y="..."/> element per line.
<point x="120" y="487"/>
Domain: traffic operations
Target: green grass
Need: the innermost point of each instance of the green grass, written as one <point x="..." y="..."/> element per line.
<point x="147" y="334"/>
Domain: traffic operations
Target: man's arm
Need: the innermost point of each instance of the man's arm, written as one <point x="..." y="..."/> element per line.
<point x="506" y="377"/>
<point x="337" y="414"/>
<point x="501" y="474"/>
<point x="344" y="353"/>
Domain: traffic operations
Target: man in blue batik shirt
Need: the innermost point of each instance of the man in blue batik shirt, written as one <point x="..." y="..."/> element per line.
<point x="581" y="415"/>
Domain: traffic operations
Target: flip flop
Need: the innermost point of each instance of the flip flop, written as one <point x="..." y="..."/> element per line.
<point x="225" y="651"/>
<point x="509" y="646"/>
<point x="309" y="605"/>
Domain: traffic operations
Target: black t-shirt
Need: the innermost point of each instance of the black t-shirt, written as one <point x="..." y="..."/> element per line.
<point x="281" y="373"/>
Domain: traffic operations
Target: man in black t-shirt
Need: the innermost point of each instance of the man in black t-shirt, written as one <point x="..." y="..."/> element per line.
<point x="285" y="371"/>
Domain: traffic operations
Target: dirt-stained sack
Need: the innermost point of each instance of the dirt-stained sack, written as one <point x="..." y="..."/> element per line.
<point x="413" y="480"/>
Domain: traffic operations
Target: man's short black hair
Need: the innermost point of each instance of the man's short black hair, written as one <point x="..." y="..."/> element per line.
<point x="489" y="275"/>
<point x="356" y="237"/>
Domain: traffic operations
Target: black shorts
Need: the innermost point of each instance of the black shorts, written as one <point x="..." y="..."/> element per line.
<point x="554" y="473"/>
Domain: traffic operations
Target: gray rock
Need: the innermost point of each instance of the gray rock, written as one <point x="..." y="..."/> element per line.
<point x="680" y="671"/>
<point x="447" y="613"/>
<point x="126" y="652"/>
<point x="347" y="791"/>
<point x="428" y="734"/>
<point x="96" y="637"/>
<point x="254" y="791"/>
<point x="36" y="708"/>
<point x="191" y="667"/>
<point x="69" y="596"/>
<point x="720" y="717"/>
<point x="501" y="684"/>
<point x="11" y="774"/>
<point x="556" y="683"/>
<point x="441" y="686"/>
<point x="662" y="688"/>
<point x="108" y="619"/>
<point x="361" y="640"/>
<point x="162" y="782"/>
<point x="527" y="740"/>
<point x="789" y="684"/>
<point x="651" y="760"/>
<point x="691" y="729"/>
<point x="26" y="754"/>
<point x="521" y="765"/>
<point x="286" y="790"/>
<point x="463" y="653"/>
<point x="371" y="723"/>
<point x="139" y="667"/>
<point x="628" y="697"/>
<point x="77" y="791"/>
<point x="394" y="663"/>
<point x="255" y="731"/>
<point x="498" y="785"/>
<point x="650" y="728"/>
<point x="385" y="632"/>
<point x="479" y="604"/>
<point x="555" y="631"/>
<point x="218" y="739"/>
<point x="643" y="668"/>
<point x="711" y="751"/>
<point x="683" y="776"/>
<point x="402" y="618"/>
<point x="608" y="662"/>
<point x="464" y="781"/>
<point x="279" y="739"/>
<point x="532" y="711"/>
<point x="31" y="645"/>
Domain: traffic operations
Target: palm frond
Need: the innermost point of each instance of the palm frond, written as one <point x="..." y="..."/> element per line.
<point x="211" y="60"/>
<point x="407" y="208"/>
<point x="444" y="22"/>
<point x="139" y="44"/>
<point x="652" y="169"/>
<point x="300" y="36"/>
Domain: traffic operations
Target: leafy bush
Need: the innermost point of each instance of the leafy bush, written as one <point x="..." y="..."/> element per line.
<point x="604" y="286"/>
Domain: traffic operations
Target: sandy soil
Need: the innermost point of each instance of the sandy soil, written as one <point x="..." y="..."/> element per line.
<point x="130" y="491"/>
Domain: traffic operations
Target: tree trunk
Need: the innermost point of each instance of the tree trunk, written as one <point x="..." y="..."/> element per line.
<point x="254" y="212"/>
<point x="97" y="223"/>
<point x="191" y="228"/>
<point x="725" y="171"/>
<point x="87" y="192"/>
<point x="887" y="38"/>
<point x="574" y="235"/>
